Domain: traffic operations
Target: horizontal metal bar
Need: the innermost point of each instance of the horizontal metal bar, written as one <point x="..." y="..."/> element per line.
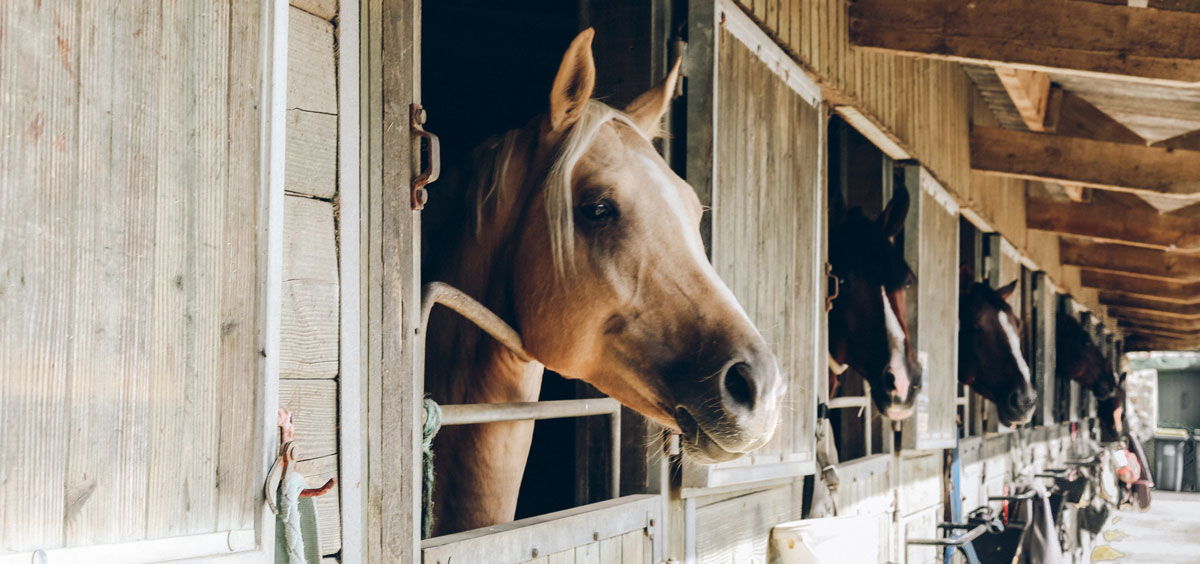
<point x="849" y="401"/>
<point x="955" y="541"/>
<point x="473" y="413"/>
<point x="1020" y="497"/>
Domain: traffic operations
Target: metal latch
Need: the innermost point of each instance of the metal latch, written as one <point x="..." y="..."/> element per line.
<point x="430" y="160"/>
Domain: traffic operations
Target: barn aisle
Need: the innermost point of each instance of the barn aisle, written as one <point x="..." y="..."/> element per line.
<point x="1169" y="533"/>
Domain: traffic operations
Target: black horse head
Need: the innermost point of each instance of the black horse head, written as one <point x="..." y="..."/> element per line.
<point x="868" y="329"/>
<point x="1079" y="359"/>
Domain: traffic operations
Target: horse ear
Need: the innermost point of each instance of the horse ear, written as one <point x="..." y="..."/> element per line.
<point x="966" y="277"/>
<point x="574" y="82"/>
<point x="1007" y="290"/>
<point x="647" y="110"/>
<point x="892" y="218"/>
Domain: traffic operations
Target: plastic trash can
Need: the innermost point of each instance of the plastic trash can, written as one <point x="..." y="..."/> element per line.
<point x="1196" y="459"/>
<point x="1168" y="458"/>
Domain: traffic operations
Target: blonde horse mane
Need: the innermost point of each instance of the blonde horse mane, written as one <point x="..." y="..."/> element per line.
<point x="489" y="178"/>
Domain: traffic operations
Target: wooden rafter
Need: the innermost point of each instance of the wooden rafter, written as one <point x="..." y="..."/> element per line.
<point x="1057" y="35"/>
<point x="1096" y="164"/>
<point x="1029" y="91"/>
<point x="1189" y="141"/>
<point x="1074" y="116"/>
<point x="1115" y="220"/>
<point x="1138" y="261"/>
<point x="1120" y="299"/>
<point x="1157" y="288"/>
<point x="1152" y="316"/>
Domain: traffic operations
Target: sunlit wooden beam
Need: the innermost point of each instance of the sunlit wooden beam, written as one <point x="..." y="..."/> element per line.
<point x="1045" y="35"/>
<point x="1109" y="217"/>
<point x="1029" y="91"/>
<point x="1157" y="288"/>
<point x="1096" y="164"/>
<point x="1139" y="261"/>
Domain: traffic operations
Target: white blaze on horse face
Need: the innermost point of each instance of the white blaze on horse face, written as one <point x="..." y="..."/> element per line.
<point x="1014" y="343"/>
<point x="896" y="363"/>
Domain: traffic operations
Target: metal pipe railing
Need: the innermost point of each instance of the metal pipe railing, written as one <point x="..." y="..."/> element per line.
<point x="957" y="541"/>
<point x="435" y="293"/>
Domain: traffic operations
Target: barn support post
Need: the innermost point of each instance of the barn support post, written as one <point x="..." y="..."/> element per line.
<point x="390" y="271"/>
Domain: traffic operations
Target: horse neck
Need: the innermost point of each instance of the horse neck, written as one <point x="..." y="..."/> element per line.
<point x="479" y="467"/>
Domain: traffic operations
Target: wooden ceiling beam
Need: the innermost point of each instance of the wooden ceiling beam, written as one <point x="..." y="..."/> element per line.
<point x="1110" y="219"/>
<point x="1171" y="5"/>
<point x="1159" y="331"/>
<point x="1073" y="116"/>
<point x="1104" y="165"/>
<point x="1045" y="35"/>
<point x="1156" y="288"/>
<point x="1150" y="343"/>
<point x="1138" y="261"/>
<point x="1029" y="91"/>
<point x="1188" y="141"/>
<point x="1120" y="299"/>
<point x="1165" y="318"/>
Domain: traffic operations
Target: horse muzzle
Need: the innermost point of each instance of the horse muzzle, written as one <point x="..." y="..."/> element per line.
<point x="736" y="417"/>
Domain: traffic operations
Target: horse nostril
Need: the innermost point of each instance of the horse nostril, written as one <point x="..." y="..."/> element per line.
<point x="739" y="384"/>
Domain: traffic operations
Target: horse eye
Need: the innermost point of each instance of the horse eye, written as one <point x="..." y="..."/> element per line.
<point x="602" y="210"/>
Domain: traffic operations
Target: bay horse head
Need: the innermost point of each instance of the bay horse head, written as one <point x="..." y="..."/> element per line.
<point x="591" y="248"/>
<point x="989" y="350"/>
<point x="1079" y="359"/>
<point x="1112" y="413"/>
<point x="868" y="327"/>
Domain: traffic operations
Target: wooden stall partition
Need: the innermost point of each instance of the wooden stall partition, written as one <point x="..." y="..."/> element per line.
<point x="761" y="144"/>
<point x="389" y="441"/>
<point x="142" y="188"/>
<point x="931" y="248"/>
<point x="919" y="501"/>
<point x="1044" y="349"/>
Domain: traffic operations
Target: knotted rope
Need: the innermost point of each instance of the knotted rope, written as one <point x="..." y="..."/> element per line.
<point x="429" y="430"/>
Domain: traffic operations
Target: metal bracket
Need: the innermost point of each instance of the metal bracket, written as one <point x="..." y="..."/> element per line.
<point x="431" y="151"/>
<point x="834" y="287"/>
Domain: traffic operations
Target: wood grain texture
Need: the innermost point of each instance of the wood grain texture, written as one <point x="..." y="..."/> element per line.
<point x="324" y="9"/>
<point x="1029" y="91"/>
<point x="1157" y="288"/>
<point x="1131" y="260"/>
<point x="329" y="522"/>
<point x="1049" y="34"/>
<point x="1119" y="219"/>
<point x="721" y="538"/>
<point x="312" y="162"/>
<point x="764" y="198"/>
<point x="313" y="404"/>
<point x="309" y="324"/>
<point x="312" y="79"/>
<point x="1121" y="299"/>
<point x="40" y="202"/>
<point x="129" y="281"/>
<point x="1098" y="164"/>
<point x="188" y="272"/>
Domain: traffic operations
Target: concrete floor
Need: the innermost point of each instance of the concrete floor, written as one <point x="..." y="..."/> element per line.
<point x="1169" y="533"/>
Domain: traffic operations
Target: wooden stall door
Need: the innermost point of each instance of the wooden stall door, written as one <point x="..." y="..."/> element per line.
<point x="755" y="155"/>
<point x="931" y="247"/>
<point x="141" y="179"/>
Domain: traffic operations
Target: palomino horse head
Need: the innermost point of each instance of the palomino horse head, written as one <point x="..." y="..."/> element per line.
<point x="867" y="325"/>
<point x="1079" y="359"/>
<point x="610" y="283"/>
<point x="989" y="350"/>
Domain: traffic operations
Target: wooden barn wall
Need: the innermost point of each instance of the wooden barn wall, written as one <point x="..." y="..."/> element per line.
<point x="925" y="106"/>
<point x="765" y="193"/>
<point x="130" y="187"/>
<point x="309" y="327"/>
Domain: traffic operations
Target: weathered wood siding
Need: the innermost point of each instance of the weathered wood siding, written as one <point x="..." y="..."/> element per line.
<point x="130" y="187"/>
<point x="931" y="246"/>
<point x="765" y="241"/>
<point x="737" y="528"/>
<point x="924" y="106"/>
<point x="309" y="341"/>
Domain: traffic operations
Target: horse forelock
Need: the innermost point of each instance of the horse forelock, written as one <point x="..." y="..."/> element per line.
<point x="494" y="156"/>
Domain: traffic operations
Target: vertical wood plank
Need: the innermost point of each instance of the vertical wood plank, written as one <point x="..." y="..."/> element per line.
<point x="563" y="557"/>
<point x="610" y="551"/>
<point x="39" y="68"/>
<point x="631" y="547"/>
<point x="236" y="479"/>
<point x="588" y="554"/>
<point x="188" y="272"/>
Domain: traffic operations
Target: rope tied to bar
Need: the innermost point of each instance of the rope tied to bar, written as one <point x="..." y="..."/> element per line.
<point x="429" y="430"/>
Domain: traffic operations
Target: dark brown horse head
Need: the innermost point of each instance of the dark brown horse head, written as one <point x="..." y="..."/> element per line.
<point x="1079" y="359"/>
<point x="989" y="350"/>
<point x="868" y="328"/>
